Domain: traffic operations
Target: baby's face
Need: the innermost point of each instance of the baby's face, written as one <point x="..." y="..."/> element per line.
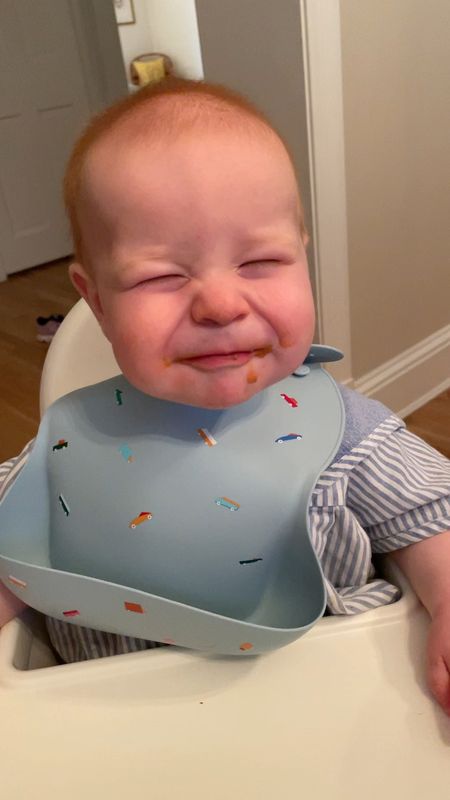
<point x="200" y="278"/>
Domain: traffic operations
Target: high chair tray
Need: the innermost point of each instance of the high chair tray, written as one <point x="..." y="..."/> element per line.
<point x="342" y="714"/>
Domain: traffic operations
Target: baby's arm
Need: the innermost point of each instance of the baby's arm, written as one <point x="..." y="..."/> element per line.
<point x="426" y="564"/>
<point x="10" y="605"/>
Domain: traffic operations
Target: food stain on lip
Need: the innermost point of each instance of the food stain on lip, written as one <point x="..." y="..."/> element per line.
<point x="233" y="356"/>
<point x="167" y="362"/>
<point x="263" y="351"/>
<point x="212" y="361"/>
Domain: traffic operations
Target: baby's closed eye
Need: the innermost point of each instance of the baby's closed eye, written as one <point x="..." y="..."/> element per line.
<point x="259" y="267"/>
<point x="171" y="280"/>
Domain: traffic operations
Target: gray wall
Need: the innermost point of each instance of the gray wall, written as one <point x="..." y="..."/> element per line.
<point x="255" y="47"/>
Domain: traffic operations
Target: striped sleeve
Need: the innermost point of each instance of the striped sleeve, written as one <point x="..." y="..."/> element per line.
<point x="10" y="469"/>
<point x="75" y="643"/>
<point x="389" y="491"/>
<point x="400" y="493"/>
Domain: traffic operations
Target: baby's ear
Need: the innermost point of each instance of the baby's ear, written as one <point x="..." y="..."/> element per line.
<point x="86" y="287"/>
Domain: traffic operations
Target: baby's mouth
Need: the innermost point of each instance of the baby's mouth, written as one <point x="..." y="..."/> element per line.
<point x="233" y="358"/>
<point x="207" y="361"/>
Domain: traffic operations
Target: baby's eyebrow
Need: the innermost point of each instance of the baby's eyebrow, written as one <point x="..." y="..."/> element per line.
<point x="268" y="238"/>
<point x="126" y="269"/>
<point x="149" y="254"/>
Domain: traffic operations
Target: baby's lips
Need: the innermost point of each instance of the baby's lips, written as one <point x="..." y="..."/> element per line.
<point x="229" y="352"/>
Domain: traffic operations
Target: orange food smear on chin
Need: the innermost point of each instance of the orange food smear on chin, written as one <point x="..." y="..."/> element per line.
<point x="251" y="376"/>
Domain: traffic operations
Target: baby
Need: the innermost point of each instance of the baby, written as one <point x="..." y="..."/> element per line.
<point x="190" y="249"/>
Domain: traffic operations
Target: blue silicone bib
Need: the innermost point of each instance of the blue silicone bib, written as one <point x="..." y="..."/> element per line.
<point x="174" y="523"/>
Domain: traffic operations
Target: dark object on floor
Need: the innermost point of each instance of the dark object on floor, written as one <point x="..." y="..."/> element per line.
<point x="47" y="327"/>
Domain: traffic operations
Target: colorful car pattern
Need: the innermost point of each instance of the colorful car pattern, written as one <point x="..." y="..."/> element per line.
<point x="207" y="437"/>
<point x="289" y="437"/>
<point x="225" y="502"/>
<point x="142" y="517"/>
<point x="136" y="607"/>
<point x="60" y="444"/>
<point x="127" y="453"/>
<point x="291" y="400"/>
<point x="17" y="582"/>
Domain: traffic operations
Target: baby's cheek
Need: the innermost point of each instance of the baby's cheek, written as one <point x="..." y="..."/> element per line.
<point x="289" y="310"/>
<point x="287" y="341"/>
<point x="133" y="357"/>
<point x="297" y="328"/>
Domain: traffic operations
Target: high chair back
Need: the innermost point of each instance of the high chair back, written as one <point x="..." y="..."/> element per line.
<point x="79" y="355"/>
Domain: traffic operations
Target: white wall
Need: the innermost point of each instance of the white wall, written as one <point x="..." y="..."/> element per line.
<point x="167" y="26"/>
<point x="135" y="39"/>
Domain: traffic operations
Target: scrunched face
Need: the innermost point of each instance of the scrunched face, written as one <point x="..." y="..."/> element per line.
<point x="198" y="276"/>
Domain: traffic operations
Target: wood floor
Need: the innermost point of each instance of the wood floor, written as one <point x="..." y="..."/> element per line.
<point x="47" y="290"/>
<point x="23" y="297"/>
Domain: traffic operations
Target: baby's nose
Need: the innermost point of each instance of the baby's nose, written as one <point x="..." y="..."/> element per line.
<point x="218" y="303"/>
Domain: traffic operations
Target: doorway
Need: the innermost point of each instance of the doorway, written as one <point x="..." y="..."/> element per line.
<point x="60" y="62"/>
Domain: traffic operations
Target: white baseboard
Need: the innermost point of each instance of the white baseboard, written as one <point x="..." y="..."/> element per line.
<point x="412" y="378"/>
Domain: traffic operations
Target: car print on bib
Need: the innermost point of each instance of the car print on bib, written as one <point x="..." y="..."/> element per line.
<point x="288" y="437"/>
<point x="142" y="517"/>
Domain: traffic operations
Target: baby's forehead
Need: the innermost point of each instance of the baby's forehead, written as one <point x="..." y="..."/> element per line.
<point x="166" y="123"/>
<point x="192" y="174"/>
<point x="155" y="160"/>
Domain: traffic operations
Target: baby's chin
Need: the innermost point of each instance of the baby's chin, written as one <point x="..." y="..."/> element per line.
<point x="215" y="389"/>
<point x="224" y="390"/>
<point x="210" y="394"/>
<point x="213" y="399"/>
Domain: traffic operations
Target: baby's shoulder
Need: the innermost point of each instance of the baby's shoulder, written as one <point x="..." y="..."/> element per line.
<point x="362" y="416"/>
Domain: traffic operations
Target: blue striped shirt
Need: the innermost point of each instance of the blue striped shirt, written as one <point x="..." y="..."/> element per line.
<point x="385" y="490"/>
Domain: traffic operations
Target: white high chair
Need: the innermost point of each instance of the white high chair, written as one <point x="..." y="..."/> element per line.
<point x="341" y="713"/>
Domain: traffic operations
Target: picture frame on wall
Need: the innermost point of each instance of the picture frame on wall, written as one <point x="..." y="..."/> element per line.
<point x="125" y="14"/>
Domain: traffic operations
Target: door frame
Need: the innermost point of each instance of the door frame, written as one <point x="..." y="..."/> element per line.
<point x="99" y="43"/>
<point x="321" y="34"/>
